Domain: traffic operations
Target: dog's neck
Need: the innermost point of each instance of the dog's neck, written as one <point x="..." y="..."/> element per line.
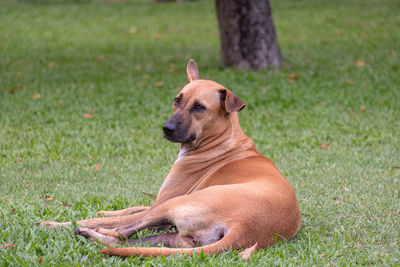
<point x="230" y="138"/>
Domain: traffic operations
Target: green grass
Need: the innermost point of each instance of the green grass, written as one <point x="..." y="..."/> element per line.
<point x="104" y="58"/>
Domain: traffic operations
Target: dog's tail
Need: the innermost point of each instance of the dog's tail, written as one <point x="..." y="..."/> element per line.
<point x="228" y="241"/>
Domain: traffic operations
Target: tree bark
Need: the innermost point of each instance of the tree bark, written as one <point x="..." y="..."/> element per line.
<point x="247" y="31"/>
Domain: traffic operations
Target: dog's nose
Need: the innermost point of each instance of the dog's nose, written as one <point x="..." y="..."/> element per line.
<point x="169" y="127"/>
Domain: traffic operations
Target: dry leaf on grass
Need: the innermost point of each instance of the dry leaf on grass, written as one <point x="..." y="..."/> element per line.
<point x="36" y="96"/>
<point x="49" y="198"/>
<point x="133" y="30"/>
<point x="149" y="194"/>
<point x="40" y="259"/>
<point x="293" y="76"/>
<point x="360" y="63"/>
<point x="158" y="36"/>
<point x="51" y="64"/>
<point x="88" y="115"/>
<point x="7" y="245"/>
<point x="324" y="146"/>
<point x="158" y="84"/>
<point x="363" y="108"/>
<point x="97" y="167"/>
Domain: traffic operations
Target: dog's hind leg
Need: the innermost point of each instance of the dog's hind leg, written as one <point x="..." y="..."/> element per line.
<point x="168" y="240"/>
<point x="122" y="212"/>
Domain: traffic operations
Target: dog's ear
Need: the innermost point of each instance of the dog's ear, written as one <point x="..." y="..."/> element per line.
<point x="230" y="102"/>
<point x="192" y="71"/>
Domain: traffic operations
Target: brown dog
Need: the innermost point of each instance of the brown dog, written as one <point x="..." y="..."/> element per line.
<point x="220" y="193"/>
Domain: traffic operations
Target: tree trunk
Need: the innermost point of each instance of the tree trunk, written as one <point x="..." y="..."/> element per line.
<point x="247" y="31"/>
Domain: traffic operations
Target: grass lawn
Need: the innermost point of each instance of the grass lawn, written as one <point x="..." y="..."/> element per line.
<point x="86" y="86"/>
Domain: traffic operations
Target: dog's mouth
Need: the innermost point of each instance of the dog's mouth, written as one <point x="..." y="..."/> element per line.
<point x="179" y="138"/>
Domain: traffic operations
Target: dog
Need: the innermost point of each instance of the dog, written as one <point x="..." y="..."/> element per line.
<point x="220" y="193"/>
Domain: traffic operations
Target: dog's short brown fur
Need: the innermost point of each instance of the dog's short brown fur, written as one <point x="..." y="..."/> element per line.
<point x="220" y="193"/>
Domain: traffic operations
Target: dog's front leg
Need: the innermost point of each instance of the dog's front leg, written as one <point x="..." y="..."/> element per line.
<point x="106" y="222"/>
<point x="153" y="219"/>
<point x="127" y="211"/>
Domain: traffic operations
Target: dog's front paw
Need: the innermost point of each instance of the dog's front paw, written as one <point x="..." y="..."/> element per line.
<point x="53" y="225"/>
<point x="85" y="232"/>
<point x="93" y="236"/>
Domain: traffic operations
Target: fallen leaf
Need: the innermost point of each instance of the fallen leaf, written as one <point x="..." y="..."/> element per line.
<point x="365" y="35"/>
<point x="362" y="108"/>
<point x="11" y="91"/>
<point x="158" y="36"/>
<point x="293" y="76"/>
<point x="324" y="146"/>
<point x="88" y="115"/>
<point x="133" y="30"/>
<point x="97" y="167"/>
<point x="60" y="101"/>
<point x="7" y="245"/>
<point x="352" y="80"/>
<point x="247" y="252"/>
<point x="360" y="63"/>
<point x="158" y="84"/>
<point x="12" y="210"/>
<point x="51" y="64"/>
<point x="40" y="259"/>
<point x="320" y="105"/>
<point x="149" y="194"/>
<point x="49" y="198"/>
<point x="19" y="87"/>
<point x="66" y="205"/>
<point x="36" y="96"/>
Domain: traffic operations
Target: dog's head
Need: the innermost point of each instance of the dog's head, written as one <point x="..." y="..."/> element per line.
<point x="200" y="109"/>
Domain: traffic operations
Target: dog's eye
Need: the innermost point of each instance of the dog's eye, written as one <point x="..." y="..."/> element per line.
<point x="177" y="100"/>
<point x="198" y="107"/>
